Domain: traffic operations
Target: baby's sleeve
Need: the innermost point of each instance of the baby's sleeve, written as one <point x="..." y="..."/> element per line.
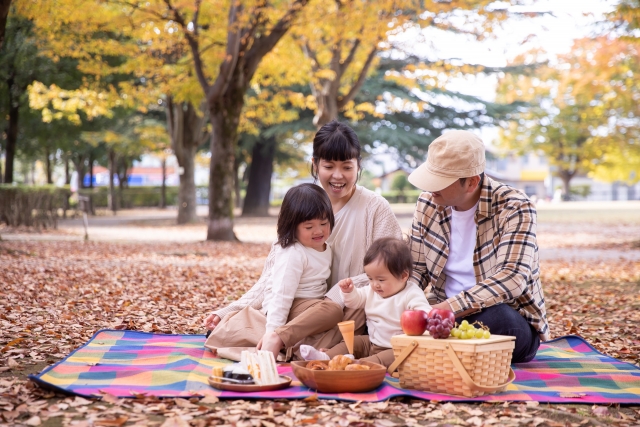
<point x="416" y="300"/>
<point x="357" y="298"/>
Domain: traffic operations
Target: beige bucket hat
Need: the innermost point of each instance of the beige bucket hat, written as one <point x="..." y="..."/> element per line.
<point x="454" y="155"/>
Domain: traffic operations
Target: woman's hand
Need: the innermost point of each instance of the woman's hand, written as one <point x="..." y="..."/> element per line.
<point x="212" y="321"/>
<point x="346" y="285"/>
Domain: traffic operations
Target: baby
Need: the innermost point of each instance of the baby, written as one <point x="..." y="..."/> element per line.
<point x="388" y="265"/>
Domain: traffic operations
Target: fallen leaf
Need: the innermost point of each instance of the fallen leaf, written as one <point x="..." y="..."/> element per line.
<point x="79" y="401"/>
<point x="33" y="421"/>
<point x="117" y="422"/>
<point x="175" y="422"/>
<point x="312" y="398"/>
<point x="209" y="399"/>
<point x="600" y="411"/>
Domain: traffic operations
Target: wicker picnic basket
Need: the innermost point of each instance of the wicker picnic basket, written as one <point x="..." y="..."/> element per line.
<point x="468" y="368"/>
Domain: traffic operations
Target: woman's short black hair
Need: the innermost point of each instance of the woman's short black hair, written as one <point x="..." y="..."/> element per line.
<point x="302" y="203"/>
<point x="335" y="141"/>
<point x="393" y="253"/>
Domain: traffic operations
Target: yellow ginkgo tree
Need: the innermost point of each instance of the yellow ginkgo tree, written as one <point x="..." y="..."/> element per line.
<point x="582" y="111"/>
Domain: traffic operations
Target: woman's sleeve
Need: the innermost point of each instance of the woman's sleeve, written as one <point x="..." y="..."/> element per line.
<point x="382" y="222"/>
<point x="255" y="295"/>
<point x="287" y="271"/>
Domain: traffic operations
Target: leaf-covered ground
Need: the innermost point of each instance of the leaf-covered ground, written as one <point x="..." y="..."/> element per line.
<point x="56" y="294"/>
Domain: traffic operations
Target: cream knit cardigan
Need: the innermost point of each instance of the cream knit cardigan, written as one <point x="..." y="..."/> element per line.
<point x="377" y="221"/>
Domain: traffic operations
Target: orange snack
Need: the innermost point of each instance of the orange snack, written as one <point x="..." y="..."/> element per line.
<point x="356" y="367"/>
<point x="317" y="365"/>
<point x="339" y="363"/>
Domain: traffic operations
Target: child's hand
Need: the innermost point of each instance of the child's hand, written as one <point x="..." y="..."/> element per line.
<point x="212" y="321"/>
<point x="346" y="285"/>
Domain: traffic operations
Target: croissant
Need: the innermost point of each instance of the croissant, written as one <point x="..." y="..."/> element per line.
<point x="316" y="365"/>
<point x="356" y="367"/>
<point x="339" y="363"/>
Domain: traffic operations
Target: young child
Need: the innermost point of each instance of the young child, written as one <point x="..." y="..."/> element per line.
<point x="299" y="276"/>
<point x="388" y="265"/>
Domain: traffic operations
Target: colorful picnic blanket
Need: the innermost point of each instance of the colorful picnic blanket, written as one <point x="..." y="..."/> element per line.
<point x="126" y="363"/>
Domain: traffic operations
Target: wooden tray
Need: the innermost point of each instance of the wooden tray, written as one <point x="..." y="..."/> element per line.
<point x="249" y="388"/>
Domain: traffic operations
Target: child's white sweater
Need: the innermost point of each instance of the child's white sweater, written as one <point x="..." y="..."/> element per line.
<point x="298" y="272"/>
<point x="383" y="314"/>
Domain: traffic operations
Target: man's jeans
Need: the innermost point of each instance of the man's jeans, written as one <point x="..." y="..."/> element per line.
<point x="504" y="320"/>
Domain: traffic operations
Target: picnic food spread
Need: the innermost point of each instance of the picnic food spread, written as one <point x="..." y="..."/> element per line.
<point x="254" y="368"/>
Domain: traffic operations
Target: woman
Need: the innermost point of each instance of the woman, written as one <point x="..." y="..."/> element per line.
<point x="361" y="216"/>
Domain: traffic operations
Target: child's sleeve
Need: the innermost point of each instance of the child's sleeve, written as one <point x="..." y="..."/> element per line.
<point x="255" y="296"/>
<point x="287" y="271"/>
<point x="357" y="298"/>
<point x="416" y="300"/>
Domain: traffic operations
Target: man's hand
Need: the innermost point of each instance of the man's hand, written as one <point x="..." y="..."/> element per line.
<point x="346" y="285"/>
<point x="442" y="306"/>
<point x="212" y="321"/>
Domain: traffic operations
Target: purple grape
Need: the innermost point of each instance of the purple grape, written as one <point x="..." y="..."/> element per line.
<point x="437" y="316"/>
<point x="439" y="328"/>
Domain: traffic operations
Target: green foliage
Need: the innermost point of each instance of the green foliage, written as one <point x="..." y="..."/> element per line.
<point x="410" y="196"/>
<point x="400" y="183"/>
<point x="132" y="197"/>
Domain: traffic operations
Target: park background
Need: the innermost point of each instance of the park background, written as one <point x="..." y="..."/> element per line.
<point x="176" y="127"/>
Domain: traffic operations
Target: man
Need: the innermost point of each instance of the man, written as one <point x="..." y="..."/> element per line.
<point x="473" y="240"/>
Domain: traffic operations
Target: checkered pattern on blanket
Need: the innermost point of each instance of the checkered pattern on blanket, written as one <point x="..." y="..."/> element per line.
<point x="125" y="363"/>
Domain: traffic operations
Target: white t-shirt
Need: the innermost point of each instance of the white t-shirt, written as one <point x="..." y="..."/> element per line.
<point x="462" y="242"/>
<point x="383" y="314"/>
<point x="298" y="272"/>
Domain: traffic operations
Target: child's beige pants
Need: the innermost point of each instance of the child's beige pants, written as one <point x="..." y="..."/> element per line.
<point x="246" y="327"/>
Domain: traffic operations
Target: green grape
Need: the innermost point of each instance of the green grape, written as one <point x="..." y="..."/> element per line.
<point x="479" y="333"/>
<point x="471" y="331"/>
<point x="464" y="325"/>
<point x="486" y="335"/>
<point x="455" y="332"/>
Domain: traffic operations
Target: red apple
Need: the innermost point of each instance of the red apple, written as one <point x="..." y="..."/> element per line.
<point x="413" y="322"/>
<point x="444" y="314"/>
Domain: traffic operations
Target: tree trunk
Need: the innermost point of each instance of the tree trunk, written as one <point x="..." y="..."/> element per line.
<point x="187" y="188"/>
<point x="79" y="165"/>
<point x="111" y="198"/>
<point x="566" y="177"/>
<point x="49" y="168"/>
<point x="4" y="13"/>
<point x="236" y="183"/>
<point x="256" y="201"/>
<point x="91" y="170"/>
<point x="67" y="175"/>
<point x="186" y="129"/>
<point x="163" y="188"/>
<point x="1" y="174"/>
<point x="225" y="116"/>
<point x="12" y="137"/>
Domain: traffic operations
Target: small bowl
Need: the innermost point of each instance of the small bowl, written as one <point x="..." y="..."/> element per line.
<point x="340" y="381"/>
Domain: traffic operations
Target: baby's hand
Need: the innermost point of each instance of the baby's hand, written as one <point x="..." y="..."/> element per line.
<point x="346" y="285"/>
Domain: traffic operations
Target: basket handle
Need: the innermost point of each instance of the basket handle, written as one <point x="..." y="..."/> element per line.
<point x="469" y="381"/>
<point x="402" y="356"/>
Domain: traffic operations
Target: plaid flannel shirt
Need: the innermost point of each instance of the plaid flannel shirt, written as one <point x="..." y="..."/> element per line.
<point x="505" y="258"/>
